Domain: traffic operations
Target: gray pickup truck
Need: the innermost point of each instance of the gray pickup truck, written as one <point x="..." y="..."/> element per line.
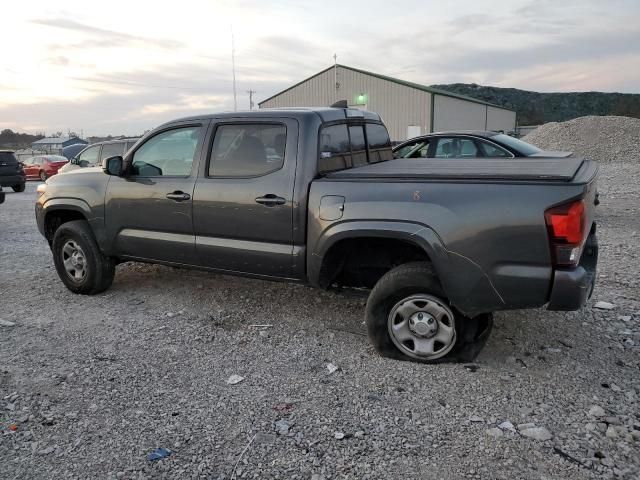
<point x="315" y="196"/>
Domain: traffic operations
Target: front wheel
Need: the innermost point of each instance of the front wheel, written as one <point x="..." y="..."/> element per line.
<point x="409" y="318"/>
<point x="43" y="176"/>
<point x="79" y="262"/>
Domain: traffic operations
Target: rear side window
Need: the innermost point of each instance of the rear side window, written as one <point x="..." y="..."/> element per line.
<point x="8" y="158"/>
<point x="335" y="151"/>
<point x="358" y="145"/>
<point x="111" y="150"/>
<point x="379" y="143"/>
<point x="493" y="151"/>
<point x="247" y="149"/>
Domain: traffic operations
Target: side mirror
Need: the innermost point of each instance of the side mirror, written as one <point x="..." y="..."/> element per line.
<point x="113" y="166"/>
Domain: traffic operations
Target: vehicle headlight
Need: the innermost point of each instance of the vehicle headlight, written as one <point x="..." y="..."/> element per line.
<point x="41" y="189"/>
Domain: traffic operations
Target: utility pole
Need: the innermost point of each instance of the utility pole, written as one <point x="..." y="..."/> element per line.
<point x="251" y="92"/>
<point x="335" y="74"/>
<point x="233" y="70"/>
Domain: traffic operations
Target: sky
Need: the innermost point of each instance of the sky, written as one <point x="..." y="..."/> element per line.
<point x="123" y="67"/>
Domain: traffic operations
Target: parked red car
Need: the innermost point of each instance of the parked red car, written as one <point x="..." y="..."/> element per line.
<point x="44" y="166"/>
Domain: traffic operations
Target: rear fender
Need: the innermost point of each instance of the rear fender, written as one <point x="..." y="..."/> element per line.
<point x="465" y="284"/>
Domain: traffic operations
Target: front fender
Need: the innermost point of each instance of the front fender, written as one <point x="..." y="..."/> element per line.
<point x="465" y="284"/>
<point x="45" y="207"/>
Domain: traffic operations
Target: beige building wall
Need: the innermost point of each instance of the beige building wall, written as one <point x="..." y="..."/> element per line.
<point x="398" y="105"/>
<point x="501" y="119"/>
<point x="455" y="114"/>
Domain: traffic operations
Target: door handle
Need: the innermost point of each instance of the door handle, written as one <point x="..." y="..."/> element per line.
<point x="178" y="196"/>
<point x="270" y="200"/>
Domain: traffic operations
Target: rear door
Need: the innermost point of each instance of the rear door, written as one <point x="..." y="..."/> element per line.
<point x="148" y="212"/>
<point x="242" y="209"/>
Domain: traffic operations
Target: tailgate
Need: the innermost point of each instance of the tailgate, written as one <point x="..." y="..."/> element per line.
<point x="8" y="164"/>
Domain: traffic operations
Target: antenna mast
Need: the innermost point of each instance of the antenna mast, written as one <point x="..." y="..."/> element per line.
<point x="233" y="71"/>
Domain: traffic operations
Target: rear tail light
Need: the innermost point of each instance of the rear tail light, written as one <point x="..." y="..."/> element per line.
<point x="566" y="226"/>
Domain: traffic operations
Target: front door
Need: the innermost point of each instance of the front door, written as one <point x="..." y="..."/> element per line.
<point x="149" y="211"/>
<point x="243" y="198"/>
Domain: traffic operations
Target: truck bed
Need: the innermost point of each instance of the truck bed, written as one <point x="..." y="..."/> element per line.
<point x="507" y="169"/>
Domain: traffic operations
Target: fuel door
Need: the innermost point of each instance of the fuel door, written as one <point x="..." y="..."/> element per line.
<point x="331" y="207"/>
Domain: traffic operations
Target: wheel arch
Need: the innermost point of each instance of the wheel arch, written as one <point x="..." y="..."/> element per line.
<point x="60" y="211"/>
<point x="418" y="242"/>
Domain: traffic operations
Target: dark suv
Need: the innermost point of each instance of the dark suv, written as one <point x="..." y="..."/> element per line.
<point x="93" y="155"/>
<point x="11" y="172"/>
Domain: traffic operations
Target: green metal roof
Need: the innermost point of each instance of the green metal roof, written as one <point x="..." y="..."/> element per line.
<point x="416" y="86"/>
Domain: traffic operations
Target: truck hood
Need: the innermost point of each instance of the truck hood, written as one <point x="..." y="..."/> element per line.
<point x="522" y="168"/>
<point x="552" y="154"/>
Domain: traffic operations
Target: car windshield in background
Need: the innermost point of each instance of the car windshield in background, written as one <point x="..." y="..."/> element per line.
<point x="8" y="158"/>
<point x="518" y="145"/>
<point x="56" y="158"/>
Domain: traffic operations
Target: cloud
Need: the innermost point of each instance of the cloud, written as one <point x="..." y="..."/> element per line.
<point x="106" y="37"/>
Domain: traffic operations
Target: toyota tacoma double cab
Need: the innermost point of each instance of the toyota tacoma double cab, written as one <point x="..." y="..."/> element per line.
<point x="315" y="196"/>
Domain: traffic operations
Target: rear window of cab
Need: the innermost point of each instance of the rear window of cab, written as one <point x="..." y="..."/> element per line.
<point x="348" y="145"/>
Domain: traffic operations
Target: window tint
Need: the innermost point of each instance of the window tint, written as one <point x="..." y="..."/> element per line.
<point x="358" y="146"/>
<point x="493" y="151"/>
<point x="111" y="150"/>
<point x="335" y="151"/>
<point x="168" y="153"/>
<point x="90" y="155"/>
<point x="8" y="158"/>
<point x="418" y="149"/>
<point x="379" y="143"/>
<point x="518" y="145"/>
<point x="247" y="150"/>
<point x="456" y="148"/>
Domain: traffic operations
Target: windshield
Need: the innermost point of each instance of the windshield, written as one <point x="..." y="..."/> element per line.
<point x="518" y="145"/>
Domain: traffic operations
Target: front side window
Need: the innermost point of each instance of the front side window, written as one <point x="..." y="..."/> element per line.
<point x="247" y="149"/>
<point x="111" y="150"/>
<point x="169" y="153"/>
<point x="90" y="155"/>
<point x="379" y="143"/>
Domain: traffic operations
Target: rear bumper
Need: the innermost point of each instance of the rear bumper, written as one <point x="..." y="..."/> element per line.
<point x="11" y="180"/>
<point x="572" y="288"/>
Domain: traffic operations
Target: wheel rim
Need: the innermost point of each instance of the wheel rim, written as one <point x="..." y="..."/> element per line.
<point x="422" y="326"/>
<point x="74" y="261"/>
<point x="43" y="176"/>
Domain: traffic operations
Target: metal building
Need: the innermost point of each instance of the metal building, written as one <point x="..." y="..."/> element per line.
<point x="408" y="109"/>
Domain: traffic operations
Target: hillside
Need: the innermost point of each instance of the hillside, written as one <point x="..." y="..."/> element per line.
<point x="535" y="108"/>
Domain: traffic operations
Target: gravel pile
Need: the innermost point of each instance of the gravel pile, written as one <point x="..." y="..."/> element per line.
<point x="607" y="139"/>
<point x="187" y="375"/>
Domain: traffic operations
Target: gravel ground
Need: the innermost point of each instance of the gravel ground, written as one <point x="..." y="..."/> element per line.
<point x="89" y="386"/>
<point x="602" y="138"/>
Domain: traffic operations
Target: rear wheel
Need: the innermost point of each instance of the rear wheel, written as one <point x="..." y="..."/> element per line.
<point x="43" y="175"/>
<point x="409" y="318"/>
<point x="19" y="188"/>
<point x="79" y="262"/>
